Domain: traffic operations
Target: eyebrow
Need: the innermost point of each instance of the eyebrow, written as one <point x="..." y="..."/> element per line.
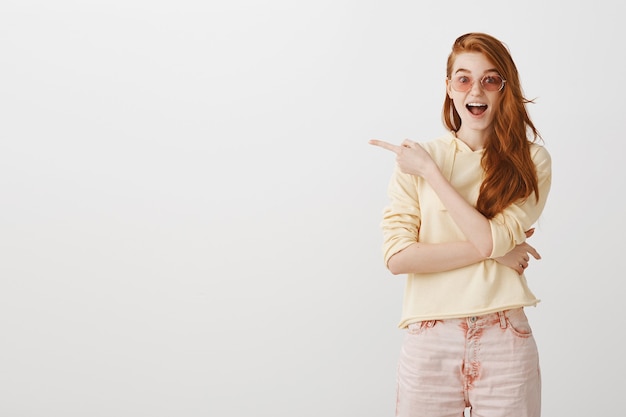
<point x="486" y="71"/>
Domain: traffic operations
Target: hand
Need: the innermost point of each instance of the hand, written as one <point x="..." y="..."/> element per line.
<point x="518" y="257"/>
<point x="410" y="156"/>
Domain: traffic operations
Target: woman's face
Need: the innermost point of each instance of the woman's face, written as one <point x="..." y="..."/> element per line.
<point x="477" y="105"/>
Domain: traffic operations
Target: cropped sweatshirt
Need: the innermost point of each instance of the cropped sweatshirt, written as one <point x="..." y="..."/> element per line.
<point x="416" y="214"/>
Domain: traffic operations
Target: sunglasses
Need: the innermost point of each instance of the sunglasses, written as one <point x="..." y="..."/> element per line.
<point x="463" y="83"/>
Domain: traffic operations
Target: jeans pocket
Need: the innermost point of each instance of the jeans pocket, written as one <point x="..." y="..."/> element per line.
<point x="421" y="326"/>
<point x="518" y="322"/>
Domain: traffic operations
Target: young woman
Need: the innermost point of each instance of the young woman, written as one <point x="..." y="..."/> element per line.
<point x="461" y="208"/>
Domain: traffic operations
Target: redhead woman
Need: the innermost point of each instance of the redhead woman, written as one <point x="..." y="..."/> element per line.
<point x="461" y="209"/>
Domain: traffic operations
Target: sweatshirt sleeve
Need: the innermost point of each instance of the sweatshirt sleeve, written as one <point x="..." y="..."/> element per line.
<point x="509" y="227"/>
<point x="401" y="218"/>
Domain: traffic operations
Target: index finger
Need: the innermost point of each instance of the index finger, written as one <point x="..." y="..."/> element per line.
<point x="384" y="145"/>
<point x="535" y="254"/>
<point x="532" y="251"/>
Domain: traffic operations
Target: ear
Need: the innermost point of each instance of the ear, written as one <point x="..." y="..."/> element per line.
<point x="449" y="88"/>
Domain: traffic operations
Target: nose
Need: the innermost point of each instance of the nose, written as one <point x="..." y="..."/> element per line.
<point x="477" y="88"/>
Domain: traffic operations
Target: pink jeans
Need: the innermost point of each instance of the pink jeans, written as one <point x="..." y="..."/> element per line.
<point x="487" y="363"/>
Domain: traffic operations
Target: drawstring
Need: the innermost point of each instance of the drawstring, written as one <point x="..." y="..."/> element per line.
<point x="448" y="163"/>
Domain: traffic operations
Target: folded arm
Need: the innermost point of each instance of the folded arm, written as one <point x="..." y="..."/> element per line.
<point x="423" y="258"/>
<point x="501" y="239"/>
<point x="491" y="238"/>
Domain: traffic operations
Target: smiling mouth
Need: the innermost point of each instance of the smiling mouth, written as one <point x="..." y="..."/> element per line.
<point x="476" y="108"/>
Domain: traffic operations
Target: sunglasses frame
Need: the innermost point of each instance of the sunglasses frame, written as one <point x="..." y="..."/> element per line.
<point x="480" y="81"/>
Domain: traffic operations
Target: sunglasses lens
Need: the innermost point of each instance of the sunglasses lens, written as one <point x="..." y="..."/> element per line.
<point x="461" y="83"/>
<point x="492" y="82"/>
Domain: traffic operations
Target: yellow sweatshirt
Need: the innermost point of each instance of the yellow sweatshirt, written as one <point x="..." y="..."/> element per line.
<point x="415" y="213"/>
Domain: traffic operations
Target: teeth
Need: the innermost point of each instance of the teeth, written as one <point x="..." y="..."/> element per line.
<point x="476" y="104"/>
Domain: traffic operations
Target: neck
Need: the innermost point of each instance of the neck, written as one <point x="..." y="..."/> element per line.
<point x="475" y="140"/>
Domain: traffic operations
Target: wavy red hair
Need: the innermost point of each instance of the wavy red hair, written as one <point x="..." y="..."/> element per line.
<point x="510" y="174"/>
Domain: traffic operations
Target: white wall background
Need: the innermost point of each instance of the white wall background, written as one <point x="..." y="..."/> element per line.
<point x="189" y="217"/>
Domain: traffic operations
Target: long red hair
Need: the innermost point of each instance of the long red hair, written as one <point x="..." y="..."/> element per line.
<point x="510" y="174"/>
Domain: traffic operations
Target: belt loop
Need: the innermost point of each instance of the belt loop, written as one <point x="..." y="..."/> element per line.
<point x="502" y="319"/>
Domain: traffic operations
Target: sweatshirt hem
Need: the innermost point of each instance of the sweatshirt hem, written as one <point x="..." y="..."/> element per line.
<point x="404" y="323"/>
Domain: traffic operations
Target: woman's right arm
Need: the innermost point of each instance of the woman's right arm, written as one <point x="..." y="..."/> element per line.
<point x="494" y="237"/>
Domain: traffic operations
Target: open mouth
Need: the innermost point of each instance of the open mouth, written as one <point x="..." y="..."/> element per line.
<point x="476" y="108"/>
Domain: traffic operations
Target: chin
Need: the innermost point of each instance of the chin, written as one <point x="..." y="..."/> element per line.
<point x="476" y="124"/>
